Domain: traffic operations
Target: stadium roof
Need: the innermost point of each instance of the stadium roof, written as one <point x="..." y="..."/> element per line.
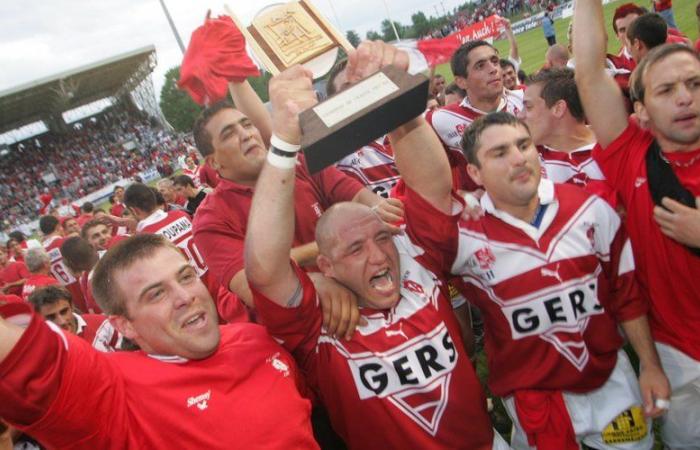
<point x="47" y="98"/>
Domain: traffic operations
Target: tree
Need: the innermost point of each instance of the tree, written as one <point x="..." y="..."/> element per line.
<point x="388" y="34"/>
<point x="259" y="85"/>
<point x="178" y="108"/>
<point x="373" y="36"/>
<point x="353" y="38"/>
<point x="421" y="24"/>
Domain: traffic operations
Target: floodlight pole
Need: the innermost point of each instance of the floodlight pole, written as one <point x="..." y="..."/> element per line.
<point x="172" y="26"/>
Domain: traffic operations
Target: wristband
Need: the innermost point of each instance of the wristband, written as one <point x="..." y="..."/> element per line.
<point x="662" y="403"/>
<point x="284" y="146"/>
<point x="280" y="161"/>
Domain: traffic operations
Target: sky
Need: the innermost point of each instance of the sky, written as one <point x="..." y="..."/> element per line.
<point x="41" y="38"/>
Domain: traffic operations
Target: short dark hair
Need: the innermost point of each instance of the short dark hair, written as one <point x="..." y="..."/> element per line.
<point x="452" y="88"/>
<point x="78" y="254"/>
<point x="48" y="224"/>
<point x="160" y="200"/>
<point x="460" y="58"/>
<point x="636" y="83"/>
<point x="120" y="257"/>
<point x="183" y="180"/>
<point x="650" y="28"/>
<point x="140" y="196"/>
<point x="506" y="63"/>
<point x="17" y="236"/>
<point x="49" y="295"/>
<point x="87" y="207"/>
<point x="559" y="84"/>
<point x="117" y="187"/>
<point x="333" y="74"/>
<point x="202" y="138"/>
<point x="470" y="142"/>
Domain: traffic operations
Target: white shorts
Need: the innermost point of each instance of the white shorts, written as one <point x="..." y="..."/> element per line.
<point x="681" y="424"/>
<point x="592" y="414"/>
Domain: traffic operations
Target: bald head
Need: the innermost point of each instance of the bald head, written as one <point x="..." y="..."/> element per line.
<point x="557" y="56"/>
<point x="338" y="218"/>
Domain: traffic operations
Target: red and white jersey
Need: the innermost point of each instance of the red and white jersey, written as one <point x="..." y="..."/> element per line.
<point x="59" y="270"/>
<point x="176" y="226"/>
<point x="550" y="296"/>
<point x="404" y="379"/>
<point x="449" y="122"/>
<point x="64" y="393"/>
<point x="35" y="282"/>
<point x="575" y="167"/>
<point x="194" y="174"/>
<point x="98" y="332"/>
<point x="85" y="281"/>
<point x="373" y="165"/>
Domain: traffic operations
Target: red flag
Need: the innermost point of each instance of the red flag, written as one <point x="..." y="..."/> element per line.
<point x="216" y="55"/>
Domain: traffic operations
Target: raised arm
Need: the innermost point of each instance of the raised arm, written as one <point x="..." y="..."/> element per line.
<point x="601" y="97"/>
<point x="247" y="101"/>
<point x="514" y="54"/>
<point x="420" y="157"/>
<point x="271" y="222"/>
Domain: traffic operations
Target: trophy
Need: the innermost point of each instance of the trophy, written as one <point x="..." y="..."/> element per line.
<point x="292" y="33"/>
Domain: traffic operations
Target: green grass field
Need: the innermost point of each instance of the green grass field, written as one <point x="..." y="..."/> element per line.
<point x="532" y="45"/>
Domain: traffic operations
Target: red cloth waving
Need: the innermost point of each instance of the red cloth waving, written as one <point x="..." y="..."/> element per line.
<point x="215" y="56"/>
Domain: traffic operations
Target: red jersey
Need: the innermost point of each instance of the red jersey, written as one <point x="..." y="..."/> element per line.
<point x="373" y="165"/>
<point x="60" y="271"/>
<point x="98" y="332"/>
<point x="117" y="209"/>
<point x="666" y="269"/>
<point x="449" y="123"/>
<point x="45" y="200"/>
<point x="89" y="305"/>
<point x="222" y="218"/>
<point x="59" y="390"/>
<point x="10" y="299"/>
<point x="208" y="176"/>
<point x="177" y="228"/>
<point x="14" y="271"/>
<point x="403" y="380"/>
<point x="550" y="296"/>
<point x="35" y="282"/>
<point x="576" y="167"/>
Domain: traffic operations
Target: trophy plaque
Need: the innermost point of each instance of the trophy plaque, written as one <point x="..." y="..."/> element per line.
<point x="292" y="33"/>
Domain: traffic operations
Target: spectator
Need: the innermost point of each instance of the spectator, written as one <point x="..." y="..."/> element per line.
<point x="172" y="198"/>
<point x="548" y="28"/>
<point x="665" y="9"/>
<point x="557" y="57"/>
<point x="454" y="94"/>
<point x="39" y="266"/>
<point x="186" y="187"/>
<point x="13" y="274"/>
<point x="644" y="33"/>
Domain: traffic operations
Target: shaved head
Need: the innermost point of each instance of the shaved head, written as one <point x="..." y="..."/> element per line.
<point x="335" y="219"/>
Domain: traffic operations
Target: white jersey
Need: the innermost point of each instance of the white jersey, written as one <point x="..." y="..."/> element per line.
<point x="575" y="167"/>
<point x="59" y="270"/>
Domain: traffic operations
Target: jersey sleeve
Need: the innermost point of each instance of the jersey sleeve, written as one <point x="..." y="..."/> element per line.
<point x="298" y="328"/>
<point x="58" y="389"/>
<point x="222" y="250"/>
<point x="625" y="300"/>
<point x="337" y="186"/>
<point x="435" y="232"/>
<point x="624" y="159"/>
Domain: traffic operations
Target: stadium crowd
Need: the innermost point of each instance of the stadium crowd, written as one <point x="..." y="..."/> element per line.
<point x="90" y="156"/>
<point x="248" y="303"/>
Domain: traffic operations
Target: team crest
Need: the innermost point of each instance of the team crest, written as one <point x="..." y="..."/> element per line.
<point x="485" y="258"/>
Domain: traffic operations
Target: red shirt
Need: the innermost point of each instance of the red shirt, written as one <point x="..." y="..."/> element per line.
<point x="36" y="281"/>
<point x="65" y="394"/>
<point x="208" y="176"/>
<point x="98" y="332"/>
<point x="697" y="46"/>
<point x="89" y="305"/>
<point x="550" y="296"/>
<point x="404" y="380"/>
<point x="177" y="228"/>
<point x="667" y="270"/>
<point x="373" y="165"/>
<point x="14" y="271"/>
<point x="10" y="299"/>
<point x="60" y="271"/>
<point x="117" y="209"/>
<point x="222" y="218"/>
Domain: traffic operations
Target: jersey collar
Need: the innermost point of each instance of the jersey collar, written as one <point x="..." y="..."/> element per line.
<point x="155" y="217"/>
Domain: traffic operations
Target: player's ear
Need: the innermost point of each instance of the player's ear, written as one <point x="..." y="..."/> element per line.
<point x="212" y="162"/>
<point x="461" y="82"/>
<point x="324" y="265"/>
<point x="474" y="173"/>
<point x="124" y="327"/>
<point x="641" y="111"/>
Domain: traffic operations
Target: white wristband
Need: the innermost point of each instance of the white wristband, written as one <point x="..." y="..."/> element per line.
<point x="281" y="162"/>
<point x="282" y="145"/>
<point x="662" y="403"/>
